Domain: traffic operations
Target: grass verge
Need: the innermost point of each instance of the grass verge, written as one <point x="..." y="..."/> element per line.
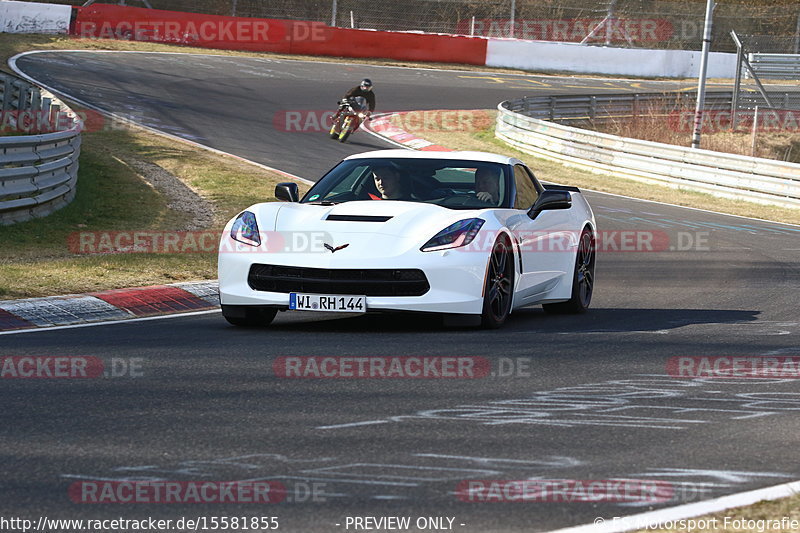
<point x="113" y="196"/>
<point x="480" y="136"/>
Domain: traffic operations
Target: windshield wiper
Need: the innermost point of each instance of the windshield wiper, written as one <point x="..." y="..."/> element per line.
<point x="324" y="202"/>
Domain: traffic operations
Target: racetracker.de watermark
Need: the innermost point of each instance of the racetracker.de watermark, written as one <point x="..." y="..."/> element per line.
<point x="70" y="367"/>
<point x="573" y="29"/>
<point x="555" y="240"/>
<point x="564" y="490"/>
<point x="715" y="120"/>
<point x="13" y="122"/>
<point x="315" y="121"/>
<point x="177" y="492"/>
<point x="192" y="242"/>
<point x="231" y="30"/>
<point x="784" y="367"/>
<point x="381" y="367"/>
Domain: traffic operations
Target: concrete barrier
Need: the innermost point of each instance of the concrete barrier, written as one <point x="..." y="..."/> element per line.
<point x="32" y="17"/>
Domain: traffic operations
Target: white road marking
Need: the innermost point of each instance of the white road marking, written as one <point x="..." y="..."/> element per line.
<point x="123" y="321"/>
<point x="353" y="424"/>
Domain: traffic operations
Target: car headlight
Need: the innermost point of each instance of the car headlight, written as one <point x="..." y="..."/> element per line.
<point x="459" y="234"/>
<point x="245" y="229"/>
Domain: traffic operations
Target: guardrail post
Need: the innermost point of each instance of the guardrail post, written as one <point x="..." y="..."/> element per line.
<point x="52" y="115"/>
<point x="8" y="93"/>
<point x="592" y="108"/>
<point x="25" y="94"/>
<point x="36" y="101"/>
<point x="737" y="83"/>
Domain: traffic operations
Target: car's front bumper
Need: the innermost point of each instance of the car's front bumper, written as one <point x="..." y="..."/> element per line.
<point x="456" y="278"/>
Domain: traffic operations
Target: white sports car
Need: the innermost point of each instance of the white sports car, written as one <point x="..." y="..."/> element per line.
<point x="469" y="235"/>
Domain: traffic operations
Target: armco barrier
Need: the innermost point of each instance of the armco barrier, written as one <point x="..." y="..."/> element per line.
<point x="598" y="108"/>
<point x="272" y="35"/>
<point x="775" y="66"/>
<point x="38" y="173"/>
<point x="726" y="175"/>
<point x="579" y="108"/>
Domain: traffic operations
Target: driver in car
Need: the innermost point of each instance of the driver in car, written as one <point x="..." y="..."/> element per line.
<point x="487" y="184"/>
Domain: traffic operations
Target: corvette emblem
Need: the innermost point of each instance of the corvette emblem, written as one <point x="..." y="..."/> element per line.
<point x="333" y="250"/>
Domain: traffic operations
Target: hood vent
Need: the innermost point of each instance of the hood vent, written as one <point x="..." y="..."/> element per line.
<point x="358" y="218"/>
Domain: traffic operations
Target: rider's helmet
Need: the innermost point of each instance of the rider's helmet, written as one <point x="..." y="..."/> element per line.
<point x="366" y="84"/>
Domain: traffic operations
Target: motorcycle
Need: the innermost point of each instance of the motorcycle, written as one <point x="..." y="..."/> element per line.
<point x="352" y="112"/>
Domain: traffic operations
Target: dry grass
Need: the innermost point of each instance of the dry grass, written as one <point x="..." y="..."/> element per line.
<point x="676" y="128"/>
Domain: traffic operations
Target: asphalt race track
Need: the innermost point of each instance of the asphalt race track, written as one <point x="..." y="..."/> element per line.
<point x="569" y="398"/>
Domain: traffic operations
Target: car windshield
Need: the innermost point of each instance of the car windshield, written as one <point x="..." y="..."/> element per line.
<point x="451" y="183"/>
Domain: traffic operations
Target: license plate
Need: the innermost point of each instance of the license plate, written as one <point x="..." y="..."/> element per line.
<point x="328" y="302"/>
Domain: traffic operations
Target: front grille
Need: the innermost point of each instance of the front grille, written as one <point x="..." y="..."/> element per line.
<point x="366" y="281"/>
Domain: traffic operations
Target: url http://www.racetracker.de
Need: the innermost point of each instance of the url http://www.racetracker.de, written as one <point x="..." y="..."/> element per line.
<point x="193" y="524"/>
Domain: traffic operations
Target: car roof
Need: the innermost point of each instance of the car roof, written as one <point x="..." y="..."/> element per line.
<point x="485" y="157"/>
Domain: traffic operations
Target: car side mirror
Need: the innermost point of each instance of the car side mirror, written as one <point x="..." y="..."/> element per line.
<point x="550" y="200"/>
<point x="287" y="191"/>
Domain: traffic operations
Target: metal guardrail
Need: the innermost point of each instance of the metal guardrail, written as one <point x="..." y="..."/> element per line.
<point x="567" y="108"/>
<point x="727" y="175"/>
<point x="577" y="108"/>
<point x="776" y="66"/>
<point x="38" y="172"/>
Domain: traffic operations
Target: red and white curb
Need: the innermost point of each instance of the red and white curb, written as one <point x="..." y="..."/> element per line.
<point x="383" y="127"/>
<point x="110" y="305"/>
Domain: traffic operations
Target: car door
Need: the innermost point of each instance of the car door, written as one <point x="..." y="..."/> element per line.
<point x="546" y="242"/>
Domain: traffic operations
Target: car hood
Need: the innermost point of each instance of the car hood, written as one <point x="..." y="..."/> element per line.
<point x="385" y="217"/>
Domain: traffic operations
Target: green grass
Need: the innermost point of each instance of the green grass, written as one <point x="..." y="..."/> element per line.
<point x="112" y="196"/>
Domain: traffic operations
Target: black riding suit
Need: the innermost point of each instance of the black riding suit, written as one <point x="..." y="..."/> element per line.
<point x="358" y="91"/>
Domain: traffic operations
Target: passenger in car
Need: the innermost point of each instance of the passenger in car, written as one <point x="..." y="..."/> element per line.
<point x="390" y="184"/>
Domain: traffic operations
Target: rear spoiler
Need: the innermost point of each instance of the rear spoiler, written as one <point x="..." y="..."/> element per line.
<point x="554" y="187"/>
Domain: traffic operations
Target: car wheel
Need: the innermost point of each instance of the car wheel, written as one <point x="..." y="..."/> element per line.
<point x="582" y="280"/>
<point x="345" y="133"/>
<point x="248" y="316"/>
<point x="499" y="287"/>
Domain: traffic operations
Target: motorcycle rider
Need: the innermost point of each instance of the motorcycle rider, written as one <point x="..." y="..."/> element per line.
<point x="363" y="89"/>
